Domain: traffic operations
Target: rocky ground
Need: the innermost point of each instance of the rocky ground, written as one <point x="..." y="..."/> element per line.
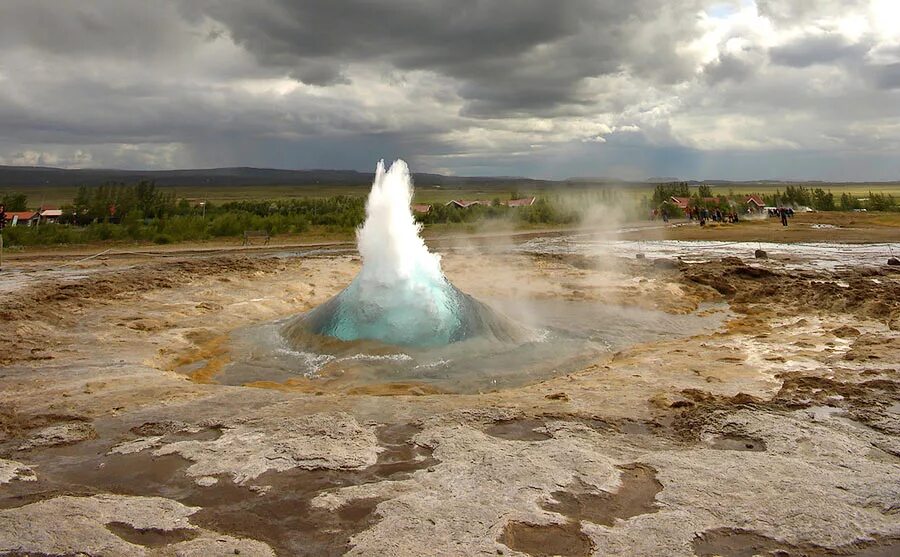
<point x="777" y="434"/>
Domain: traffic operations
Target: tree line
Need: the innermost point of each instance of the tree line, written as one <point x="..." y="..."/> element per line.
<point x="142" y="212"/>
<point x="792" y="196"/>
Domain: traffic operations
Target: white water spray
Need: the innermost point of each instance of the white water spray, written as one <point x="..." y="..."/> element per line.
<point x="396" y="261"/>
<point x="400" y="296"/>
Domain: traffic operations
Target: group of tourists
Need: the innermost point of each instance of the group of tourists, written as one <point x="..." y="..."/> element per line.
<point x="783" y="213"/>
<point x="702" y="215"/>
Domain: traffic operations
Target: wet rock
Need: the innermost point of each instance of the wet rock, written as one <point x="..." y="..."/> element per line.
<point x="732" y="261"/>
<point x="148" y="325"/>
<point x="113" y="525"/>
<point x="207" y="481"/>
<point x="220" y="546"/>
<point x="760" y="254"/>
<point x="736" y="443"/>
<point x="137" y="445"/>
<point x="714" y="281"/>
<point x="11" y="470"/>
<point x="665" y="264"/>
<point x="751" y="272"/>
<point x="519" y="430"/>
<point x="247" y="448"/>
<point x="62" y="434"/>
<point x="149" y="429"/>
<point x="893" y="261"/>
<point x="873" y="347"/>
<point x="558" y="396"/>
<point x="846" y="332"/>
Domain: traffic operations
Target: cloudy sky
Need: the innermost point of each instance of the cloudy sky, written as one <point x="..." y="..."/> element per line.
<point x="741" y="89"/>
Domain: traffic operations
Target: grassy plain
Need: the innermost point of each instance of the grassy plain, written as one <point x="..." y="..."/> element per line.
<point x="426" y="193"/>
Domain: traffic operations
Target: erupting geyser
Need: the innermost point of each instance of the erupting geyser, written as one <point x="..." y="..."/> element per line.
<point x="400" y="296"/>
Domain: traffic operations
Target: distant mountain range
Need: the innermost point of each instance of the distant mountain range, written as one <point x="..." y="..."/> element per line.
<point x="31" y="176"/>
<point x="41" y="176"/>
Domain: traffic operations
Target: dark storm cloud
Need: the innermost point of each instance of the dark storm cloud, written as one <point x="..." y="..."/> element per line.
<point x="590" y="87"/>
<point x="789" y="11"/>
<point x="509" y="56"/>
<point x="99" y="28"/>
<point x="817" y="49"/>
<point x="886" y="76"/>
<point x="729" y="66"/>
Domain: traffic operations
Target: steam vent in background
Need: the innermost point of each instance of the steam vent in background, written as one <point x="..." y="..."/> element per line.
<point x="400" y="297"/>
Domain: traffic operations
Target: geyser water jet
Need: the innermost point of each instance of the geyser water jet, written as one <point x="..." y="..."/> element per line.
<point x="401" y="296"/>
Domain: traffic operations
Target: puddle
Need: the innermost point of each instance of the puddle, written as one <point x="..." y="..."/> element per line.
<point x="566" y="540"/>
<point x="635" y="496"/>
<point x="519" y="430"/>
<point x="737" y="443"/>
<point x="151" y="537"/>
<point x="729" y="542"/>
<point x="563" y="336"/>
<point x="582" y="502"/>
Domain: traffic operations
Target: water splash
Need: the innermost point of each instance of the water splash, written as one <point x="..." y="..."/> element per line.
<point x="400" y="296"/>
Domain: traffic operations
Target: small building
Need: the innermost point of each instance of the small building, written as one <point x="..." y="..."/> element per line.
<point x="466" y="203"/>
<point x="421" y="208"/>
<point x="755" y="203"/>
<point x="50" y="214"/>
<point x="21" y="218"/>
<point x="524" y="202"/>
<point x="681" y="202"/>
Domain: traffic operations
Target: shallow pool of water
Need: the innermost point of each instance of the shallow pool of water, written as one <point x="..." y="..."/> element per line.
<point x="562" y="337"/>
<point x="811" y="255"/>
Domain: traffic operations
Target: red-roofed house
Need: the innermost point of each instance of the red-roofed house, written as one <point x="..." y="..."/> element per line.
<point x="421" y="208"/>
<point x="26" y="218"/>
<point x="524" y="202"/>
<point x="466" y="203"/>
<point x="755" y="203"/>
<point x="681" y="202"/>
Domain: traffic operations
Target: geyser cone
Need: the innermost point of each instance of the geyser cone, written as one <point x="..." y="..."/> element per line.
<point x="400" y="296"/>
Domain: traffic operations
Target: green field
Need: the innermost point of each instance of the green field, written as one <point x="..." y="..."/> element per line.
<point x="425" y="193"/>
